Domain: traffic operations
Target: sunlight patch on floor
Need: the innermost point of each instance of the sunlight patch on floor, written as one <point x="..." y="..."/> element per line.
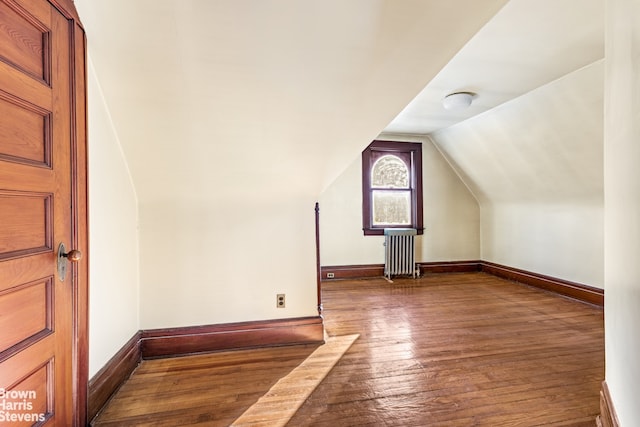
<point x="282" y="401"/>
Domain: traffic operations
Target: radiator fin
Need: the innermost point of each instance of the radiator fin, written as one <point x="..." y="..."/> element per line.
<point x="399" y="252"/>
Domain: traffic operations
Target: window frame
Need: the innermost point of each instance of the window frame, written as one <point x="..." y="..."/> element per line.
<point x="404" y="150"/>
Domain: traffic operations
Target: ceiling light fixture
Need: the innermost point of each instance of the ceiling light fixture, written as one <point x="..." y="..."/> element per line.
<point x="458" y="100"/>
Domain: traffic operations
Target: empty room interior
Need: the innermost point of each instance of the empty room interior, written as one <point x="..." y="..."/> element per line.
<point x="232" y="210"/>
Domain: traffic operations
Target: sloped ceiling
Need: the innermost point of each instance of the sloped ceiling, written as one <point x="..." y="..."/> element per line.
<point x="534" y="132"/>
<point x="264" y="94"/>
<point x="248" y="96"/>
<point x="527" y="44"/>
<point x="543" y="147"/>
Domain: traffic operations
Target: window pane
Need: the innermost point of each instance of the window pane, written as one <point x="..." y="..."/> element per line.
<point x="390" y="172"/>
<point x="391" y="207"/>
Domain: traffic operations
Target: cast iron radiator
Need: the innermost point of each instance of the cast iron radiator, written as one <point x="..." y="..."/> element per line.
<point x="399" y="252"/>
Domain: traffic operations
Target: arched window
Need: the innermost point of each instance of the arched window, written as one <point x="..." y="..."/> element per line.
<point x="391" y="186"/>
<point x="390" y="192"/>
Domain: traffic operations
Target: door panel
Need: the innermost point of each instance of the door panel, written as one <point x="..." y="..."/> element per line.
<point x="25" y="41"/>
<point x="27" y="313"/>
<point x="36" y="306"/>
<point x="26" y="224"/>
<point x="31" y="143"/>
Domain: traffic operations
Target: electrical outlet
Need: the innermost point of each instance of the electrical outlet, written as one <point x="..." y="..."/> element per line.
<point x="280" y="301"/>
<point x="330" y="276"/>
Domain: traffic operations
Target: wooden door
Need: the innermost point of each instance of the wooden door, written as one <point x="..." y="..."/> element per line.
<point x="39" y="357"/>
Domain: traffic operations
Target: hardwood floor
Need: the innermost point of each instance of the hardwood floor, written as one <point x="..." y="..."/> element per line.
<point x="207" y="390"/>
<point x="444" y="350"/>
<point x="459" y="349"/>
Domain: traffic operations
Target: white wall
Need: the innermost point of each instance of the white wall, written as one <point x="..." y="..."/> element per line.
<point x="622" y="208"/>
<point x="536" y="166"/>
<point x="113" y="243"/>
<point x="561" y="240"/>
<point x="451" y="215"/>
<point x="224" y="261"/>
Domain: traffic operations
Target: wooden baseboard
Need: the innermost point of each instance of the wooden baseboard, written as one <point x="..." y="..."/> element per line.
<point x="170" y="342"/>
<point x="201" y="339"/>
<point x="584" y="293"/>
<point x="108" y="379"/>
<point x="449" y="267"/>
<point x="336" y="272"/>
<point x="573" y="290"/>
<point x="607" y="417"/>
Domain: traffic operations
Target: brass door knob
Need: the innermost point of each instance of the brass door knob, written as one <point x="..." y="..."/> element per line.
<point x="73" y="255"/>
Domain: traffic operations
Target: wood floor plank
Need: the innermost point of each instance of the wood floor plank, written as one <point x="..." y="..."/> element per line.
<point x="465" y="349"/>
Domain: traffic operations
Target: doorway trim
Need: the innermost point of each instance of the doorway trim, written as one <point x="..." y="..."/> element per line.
<point x="79" y="210"/>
